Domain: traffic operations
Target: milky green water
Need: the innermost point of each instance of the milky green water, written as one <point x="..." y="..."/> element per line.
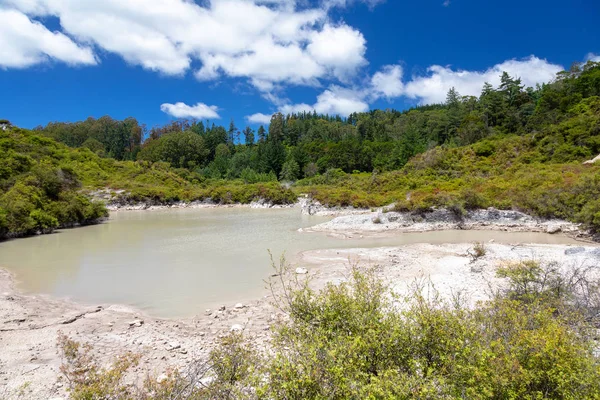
<point x="179" y="262"/>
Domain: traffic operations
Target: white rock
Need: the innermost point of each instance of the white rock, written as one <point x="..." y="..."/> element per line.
<point x="136" y="323"/>
<point x="207" y="381"/>
<point x="553" y="229"/>
<point x="173" y="346"/>
<point x="236" y="328"/>
<point x="161" y="378"/>
<point x="301" y="271"/>
<point x="239" y="305"/>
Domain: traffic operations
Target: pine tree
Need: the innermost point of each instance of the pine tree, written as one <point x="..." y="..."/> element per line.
<point x="249" y="136"/>
<point x="232" y="132"/>
<point x="262" y="134"/>
<point x="276" y="128"/>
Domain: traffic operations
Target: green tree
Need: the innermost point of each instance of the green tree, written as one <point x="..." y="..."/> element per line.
<point x="262" y="134"/>
<point x="290" y="170"/>
<point x="248" y="136"/>
<point x="276" y="127"/>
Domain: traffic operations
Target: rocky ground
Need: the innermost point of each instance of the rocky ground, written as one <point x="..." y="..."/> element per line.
<point x="116" y="200"/>
<point x="389" y="222"/>
<point x="29" y="327"/>
<point x="29" y="324"/>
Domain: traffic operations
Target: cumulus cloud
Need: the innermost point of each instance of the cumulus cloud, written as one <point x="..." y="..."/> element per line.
<point x="335" y="100"/>
<point x="388" y="82"/>
<point x="432" y="87"/>
<point x="268" y="42"/>
<point x="341" y="48"/>
<point x="259" y="118"/>
<point x="182" y="110"/>
<point x="428" y="89"/>
<point x="24" y="43"/>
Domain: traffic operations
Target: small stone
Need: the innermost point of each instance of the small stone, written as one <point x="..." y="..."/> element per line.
<point x="574" y="250"/>
<point x="552" y="229"/>
<point x="207" y="381"/>
<point x="301" y="271"/>
<point x="222" y="308"/>
<point x="236" y="328"/>
<point x="136" y="323"/>
<point x="173" y="346"/>
<point x="161" y="378"/>
<point x="239" y="306"/>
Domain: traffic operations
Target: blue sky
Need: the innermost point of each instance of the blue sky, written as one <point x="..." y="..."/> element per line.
<point x="155" y="60"/>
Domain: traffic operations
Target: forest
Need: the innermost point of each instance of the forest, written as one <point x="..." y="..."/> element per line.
<point x="512" y="147"/>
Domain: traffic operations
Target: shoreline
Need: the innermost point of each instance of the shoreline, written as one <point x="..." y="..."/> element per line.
<point x="29" y="323"/>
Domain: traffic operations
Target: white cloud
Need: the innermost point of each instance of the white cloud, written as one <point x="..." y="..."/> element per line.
<point x="388" y="82"/>
<point x="24" y="43"/>
<point x="428" y="89"/>
<point x="433" y="87"/>
<point x="268" y="42"/>
<point x="259" y="118"/>
<point x="182" y="110"/>
<point x="592" y="57"/>
<point x="345" y="3"/>
<point x="341" y="48"/>
<point x="335" y="100"/>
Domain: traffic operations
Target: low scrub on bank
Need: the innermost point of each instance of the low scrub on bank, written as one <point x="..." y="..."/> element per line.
<point x="45" y="185"/>
<point x="39" y="189"/>
<point x="534" y="339"/>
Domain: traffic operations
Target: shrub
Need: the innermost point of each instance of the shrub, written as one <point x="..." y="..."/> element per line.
<point x="86" y="379"/>
<point x="477" y="251"/>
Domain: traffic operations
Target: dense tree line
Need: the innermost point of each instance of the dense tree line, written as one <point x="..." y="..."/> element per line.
<point x="302" y="145"/>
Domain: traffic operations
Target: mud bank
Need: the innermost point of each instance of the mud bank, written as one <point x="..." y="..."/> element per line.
<point x="390" y="222"/>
